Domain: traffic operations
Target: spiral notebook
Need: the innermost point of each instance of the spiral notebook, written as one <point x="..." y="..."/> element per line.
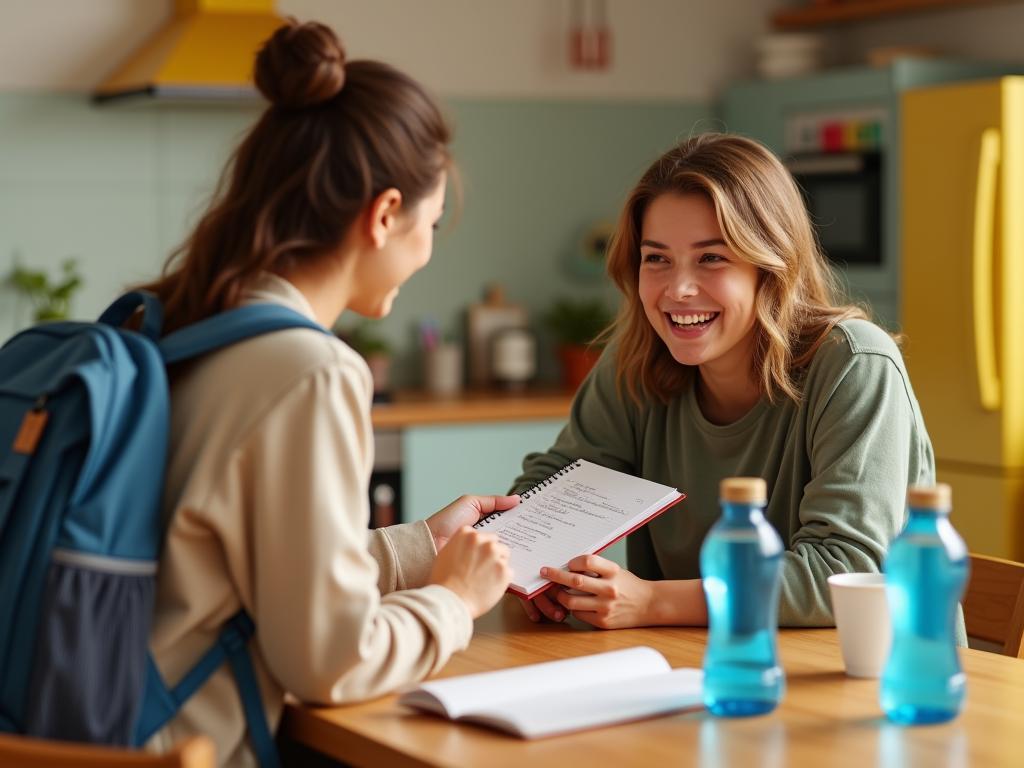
<point x="579" y="510"/>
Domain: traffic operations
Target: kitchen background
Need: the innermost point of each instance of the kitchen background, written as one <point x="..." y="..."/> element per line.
<point x="546" y="150"/>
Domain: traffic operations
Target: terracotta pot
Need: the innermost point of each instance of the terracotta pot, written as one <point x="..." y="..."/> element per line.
<point x="576" y="363"/>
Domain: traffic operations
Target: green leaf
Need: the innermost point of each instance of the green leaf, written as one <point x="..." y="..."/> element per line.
<point x="51" y="300"/>
<point x="65" y="289"/>
<point x="365" y="341"/>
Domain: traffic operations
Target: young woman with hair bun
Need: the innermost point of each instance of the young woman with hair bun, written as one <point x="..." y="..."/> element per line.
<point x="734" y="355"/>
<point x="329" y="203"/>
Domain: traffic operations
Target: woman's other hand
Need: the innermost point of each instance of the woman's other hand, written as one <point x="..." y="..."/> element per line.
<point x="465" y="510"/>
<point x="545" y="605"/>
<point x="475" y="567"/>
<point x="601" y="593"/>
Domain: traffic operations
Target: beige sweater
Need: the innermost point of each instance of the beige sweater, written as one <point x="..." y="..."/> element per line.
<point x="270" y="458"/>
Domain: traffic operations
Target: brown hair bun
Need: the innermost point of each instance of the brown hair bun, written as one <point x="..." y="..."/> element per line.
<point x="301" y="65"/>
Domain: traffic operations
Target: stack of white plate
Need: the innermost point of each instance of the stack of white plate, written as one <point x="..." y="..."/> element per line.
<point x="789" y="55"/>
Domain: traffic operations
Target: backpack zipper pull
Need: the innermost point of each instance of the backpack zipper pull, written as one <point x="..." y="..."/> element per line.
<point x="32" y="426"/>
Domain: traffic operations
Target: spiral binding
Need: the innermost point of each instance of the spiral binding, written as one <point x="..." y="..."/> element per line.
<point x="575" y="464"/>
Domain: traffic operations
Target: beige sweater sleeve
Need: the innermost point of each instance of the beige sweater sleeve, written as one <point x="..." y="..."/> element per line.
<point x="404" y="554"/>
<point x="324" y="629"/>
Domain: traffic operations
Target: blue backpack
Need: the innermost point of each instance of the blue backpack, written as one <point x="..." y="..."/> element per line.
<point x="84" y="422"/>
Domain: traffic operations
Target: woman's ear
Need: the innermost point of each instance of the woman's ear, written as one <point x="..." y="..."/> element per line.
<point x="382" y="216"/>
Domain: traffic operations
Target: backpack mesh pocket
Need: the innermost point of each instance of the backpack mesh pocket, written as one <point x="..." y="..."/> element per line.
<point x="89" y="667"/>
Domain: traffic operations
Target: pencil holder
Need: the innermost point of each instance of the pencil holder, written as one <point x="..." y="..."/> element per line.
<point x="442" y="369"/>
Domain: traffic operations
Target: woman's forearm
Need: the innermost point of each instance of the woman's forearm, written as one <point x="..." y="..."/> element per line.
<point x="678" y="603"/>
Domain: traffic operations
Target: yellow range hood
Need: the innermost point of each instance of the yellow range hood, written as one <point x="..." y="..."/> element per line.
<point x="206" y="52"/>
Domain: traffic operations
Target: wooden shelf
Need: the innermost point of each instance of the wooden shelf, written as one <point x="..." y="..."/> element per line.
<point x="410" y="409"/>
<point x="844" y="11"/>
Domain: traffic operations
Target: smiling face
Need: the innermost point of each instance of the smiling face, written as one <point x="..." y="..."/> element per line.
<point x="697" y="294"/>
<point x="405" y="249"/>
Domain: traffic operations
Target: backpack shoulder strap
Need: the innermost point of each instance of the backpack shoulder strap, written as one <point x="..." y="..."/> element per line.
<point x="160" y="703"/>
<point x="126" y="305"/>
<point x="220" y="330"/>
<point x="229" y="327"/>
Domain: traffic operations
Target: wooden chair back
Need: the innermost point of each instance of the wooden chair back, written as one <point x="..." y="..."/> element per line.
<point x="994" y="603"/>
<point x="24" y="752"/>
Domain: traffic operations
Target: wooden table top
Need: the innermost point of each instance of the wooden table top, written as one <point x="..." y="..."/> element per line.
<point x="825" y="718"/>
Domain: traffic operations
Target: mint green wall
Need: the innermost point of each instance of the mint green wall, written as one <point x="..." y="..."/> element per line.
<point x="114" y="187"/>
<point x="118" y="187"/>
<point x="536" y="175"/>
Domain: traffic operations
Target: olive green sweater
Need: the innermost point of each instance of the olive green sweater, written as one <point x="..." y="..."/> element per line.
<point x="837" y="464"/>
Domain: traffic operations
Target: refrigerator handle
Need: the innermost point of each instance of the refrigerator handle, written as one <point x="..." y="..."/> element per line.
<point x="982" y="267"/>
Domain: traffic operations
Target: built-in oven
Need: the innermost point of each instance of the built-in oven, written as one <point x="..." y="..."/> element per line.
<point x="843" y="192"/>
<point x="386" y="478"/>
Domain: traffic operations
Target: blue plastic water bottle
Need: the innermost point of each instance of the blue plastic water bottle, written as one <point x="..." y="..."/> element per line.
<point x="740" y="562"/>
<point x="925" y="576"/>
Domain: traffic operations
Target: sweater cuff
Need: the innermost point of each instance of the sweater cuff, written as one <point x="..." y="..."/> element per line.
<point x="414" y="552"/>
<point x="455" y="629"/>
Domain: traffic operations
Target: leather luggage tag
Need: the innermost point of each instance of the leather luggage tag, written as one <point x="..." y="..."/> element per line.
<point x="31" y="430"/>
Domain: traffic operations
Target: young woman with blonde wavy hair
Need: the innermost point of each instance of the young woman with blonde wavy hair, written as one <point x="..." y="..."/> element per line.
<point x="732" y="355"/>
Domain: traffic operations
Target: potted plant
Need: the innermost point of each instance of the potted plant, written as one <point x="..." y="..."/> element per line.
<point x="575" y="325"/>
<point x="376" y="351"/>
<point x="51" y="299"/>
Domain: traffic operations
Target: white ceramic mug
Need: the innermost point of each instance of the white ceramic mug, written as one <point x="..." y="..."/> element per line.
<point x="862" y="618"/>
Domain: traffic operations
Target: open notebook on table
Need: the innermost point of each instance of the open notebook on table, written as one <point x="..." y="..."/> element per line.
<point x="566" y="695"/>
<point x="579" y="510"/>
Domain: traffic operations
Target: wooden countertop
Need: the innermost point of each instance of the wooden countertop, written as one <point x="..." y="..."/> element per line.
<point x="411" y="409"/>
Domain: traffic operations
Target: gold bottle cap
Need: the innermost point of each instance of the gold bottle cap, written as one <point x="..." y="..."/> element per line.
<point x="938" y="496"/>
<point x="744" y="490"/>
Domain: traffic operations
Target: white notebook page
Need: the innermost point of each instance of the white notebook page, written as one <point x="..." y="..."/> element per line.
<point x="578" y="510"/>
<point x="600" y="703"/>
<point x="470" y="693"/>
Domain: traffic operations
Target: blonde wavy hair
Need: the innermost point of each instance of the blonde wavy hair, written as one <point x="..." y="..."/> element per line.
<point x="765" y="222"/>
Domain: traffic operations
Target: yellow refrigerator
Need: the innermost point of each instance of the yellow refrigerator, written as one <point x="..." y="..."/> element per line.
<point x="962" y="254"/>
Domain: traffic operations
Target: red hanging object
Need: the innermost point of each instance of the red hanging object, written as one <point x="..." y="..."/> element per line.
<point x="590" y="44"/>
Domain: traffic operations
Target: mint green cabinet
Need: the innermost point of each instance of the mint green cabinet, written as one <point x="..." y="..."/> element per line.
<point x="442" y="462"/>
